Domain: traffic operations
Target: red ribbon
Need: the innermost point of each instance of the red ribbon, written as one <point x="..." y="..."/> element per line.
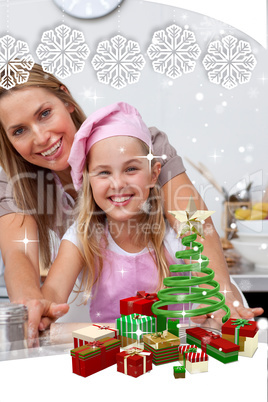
<point x="93" y="345"/>
<point x="206" y="340"/>
<point x="143" y="295"/>
<point x="77" y="364"/>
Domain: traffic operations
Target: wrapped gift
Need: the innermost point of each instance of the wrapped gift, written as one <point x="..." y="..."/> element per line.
<point x="184" y="348"/>
<point x="134" y="362"/>
<point x="161" y="340"/>
<point x="195" y="362"/>
<point x="162" y="356"/>
<point x="126" y="342"/>
<point x="216" y="347"/>
<point x="94" y="332"/>
<point x="139" y="304"/>
<point x="173" y="326"/>
<point x="134" y="325"/>
<point x="179" y="371"/>
<point x="243" y="333"/>
<point x="95" y="356"/>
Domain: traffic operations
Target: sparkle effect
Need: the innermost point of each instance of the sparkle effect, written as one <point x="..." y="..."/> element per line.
<point x="139" y="332"/>
<point x="215" y="156"/>
<point x="26" y="241"/>
<point x="122" y="272"/>
<point x="91" y="95"/>
<point x="150" y="157"/>
<point x="225" y="291"/>
<point x="122" y="150"/>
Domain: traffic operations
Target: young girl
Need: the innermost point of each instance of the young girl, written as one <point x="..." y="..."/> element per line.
<point x="120" y="241"/>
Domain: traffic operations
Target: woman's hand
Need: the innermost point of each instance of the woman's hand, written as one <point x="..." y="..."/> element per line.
<point x="235" y="303"/>
<point x="41" y="313"/>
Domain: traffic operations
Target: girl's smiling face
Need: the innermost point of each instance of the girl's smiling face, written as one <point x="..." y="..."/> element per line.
<point x="120" y="177"/>
<point x="39" y="126"/>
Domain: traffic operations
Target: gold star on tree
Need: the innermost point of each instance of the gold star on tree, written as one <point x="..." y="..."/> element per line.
<point x="191" y="219"/>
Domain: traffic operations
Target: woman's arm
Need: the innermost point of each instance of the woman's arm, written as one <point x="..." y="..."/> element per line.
<point x="20" y="256"/>
<point x="22" y="277"/>
<point x="176" y="196"/>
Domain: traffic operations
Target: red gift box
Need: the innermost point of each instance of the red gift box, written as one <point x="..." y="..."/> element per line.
<point x="209" y="338"/>
<point x="249" y="329"/>
<point x="134" y="362"/>
<point x="139" y="304"/>
<point x="94" y="356"/>
<point x="215" y="346"/>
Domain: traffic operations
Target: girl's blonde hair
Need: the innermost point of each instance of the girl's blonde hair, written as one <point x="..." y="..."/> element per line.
<point x="24" y="175"/>
<point x="91" y="232"/>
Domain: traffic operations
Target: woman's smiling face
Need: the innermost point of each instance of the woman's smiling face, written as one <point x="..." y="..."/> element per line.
<point x="39" y="126"/>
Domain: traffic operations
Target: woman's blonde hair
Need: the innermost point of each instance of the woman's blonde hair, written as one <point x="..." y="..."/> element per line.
<point x="91" y="222"/>
<point x="24" y="175"/>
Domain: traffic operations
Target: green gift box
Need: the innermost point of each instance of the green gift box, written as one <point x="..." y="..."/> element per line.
<point x="179" y="371"/>
<point x="135" y="325"/>
<point x="173" y="327"/>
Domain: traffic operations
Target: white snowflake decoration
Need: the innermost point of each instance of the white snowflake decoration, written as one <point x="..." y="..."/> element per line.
<point x="230" y="62"/>
<point x="63" y="51"/>
<point x="14" y="62"/>
<point x="173" y="51"/>
<point x="118" y="62"/>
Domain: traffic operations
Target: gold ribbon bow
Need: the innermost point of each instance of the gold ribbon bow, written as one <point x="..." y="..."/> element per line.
<point x="162" y="334"/>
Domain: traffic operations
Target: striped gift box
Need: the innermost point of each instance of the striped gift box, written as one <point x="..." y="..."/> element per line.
<point x="196" y="357"/>
<point x="184" y="348"/>
<point x="196" y="362"/>
<point x="162" y="356"/>
<point x="134" y="325"/>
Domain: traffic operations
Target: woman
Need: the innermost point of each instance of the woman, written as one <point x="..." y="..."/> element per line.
<point x="38" y="121"/>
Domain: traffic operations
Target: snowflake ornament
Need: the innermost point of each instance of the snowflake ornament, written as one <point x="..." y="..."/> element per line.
<point x="15" y="60"/>
<point x="63" y="51"/>
<point x="118" y="62"/>
<point x="173" y="51"/>
<point x="230" y="62"/>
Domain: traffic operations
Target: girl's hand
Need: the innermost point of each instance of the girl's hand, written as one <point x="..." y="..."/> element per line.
<point x="41" y="313"/>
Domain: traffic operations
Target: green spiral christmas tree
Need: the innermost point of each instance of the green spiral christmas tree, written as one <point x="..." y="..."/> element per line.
<point x="182" y="289"/>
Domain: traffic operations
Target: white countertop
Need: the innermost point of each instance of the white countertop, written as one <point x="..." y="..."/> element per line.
<point x="50" y="378"/>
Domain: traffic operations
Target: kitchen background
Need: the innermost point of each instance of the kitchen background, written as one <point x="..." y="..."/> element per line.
<point x="223" y="125"/>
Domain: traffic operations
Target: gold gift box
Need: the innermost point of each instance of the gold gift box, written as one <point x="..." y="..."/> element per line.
<point x="162" y="341"/>
<point x="231" y="338"/>
<point x="126" y="341"/>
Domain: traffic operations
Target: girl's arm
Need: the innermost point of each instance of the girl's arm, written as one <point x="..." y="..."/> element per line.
<point x="176" y="195"/>
<point x="63" y="273"/>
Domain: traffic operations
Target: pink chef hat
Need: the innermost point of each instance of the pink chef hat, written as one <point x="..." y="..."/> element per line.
<point x="110" y="121"/>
